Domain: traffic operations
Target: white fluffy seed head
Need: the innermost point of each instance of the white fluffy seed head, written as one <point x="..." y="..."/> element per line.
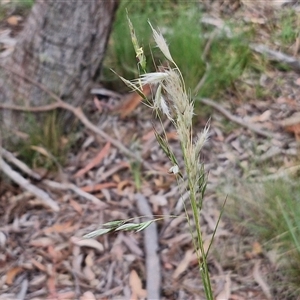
<point x="152" y="78"/>
<point x="201" y="139"/>
<point x="161" y="44"/>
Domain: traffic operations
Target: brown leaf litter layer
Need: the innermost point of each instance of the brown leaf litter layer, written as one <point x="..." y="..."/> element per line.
<point x="43" y="255"/>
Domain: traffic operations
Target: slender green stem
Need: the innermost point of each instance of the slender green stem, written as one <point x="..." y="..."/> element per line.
<point x="201" y="257"/>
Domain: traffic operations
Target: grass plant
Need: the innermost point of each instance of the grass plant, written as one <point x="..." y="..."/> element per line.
<point x="46" y="145"/>
<point x="271" y="213"/>
<point x="172" y="101"/>
<point x="287" y="30"/>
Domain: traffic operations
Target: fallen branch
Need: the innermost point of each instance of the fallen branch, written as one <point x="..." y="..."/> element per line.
<point x="151" y="248"/>
<point x="77" y="111"/>
<point x="25" y="184"/>
<point x="75" y="189"/>
<point x="23" y="167"/>
<point x="259" y="48"/>
<point x="237" y="120"/>
<point x="277" y="56"/>
<point x="52" y="184"/>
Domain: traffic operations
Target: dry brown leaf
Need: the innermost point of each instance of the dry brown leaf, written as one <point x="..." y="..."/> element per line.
<point x="260" y="280"/>
<point x="42" y="242"/>
<point x="131" y="102"/>
<point x="54" y="254"/>
<point x="297" y="81"/>
<point x="123" y="184"/>
<point x="60" y="227"/>
<point x="88" y="273"/>
<point x="88" y="296"/>
<point x="76" y="206"/>
<point x="183" y="265"/>
<point x="95" y="161"/>
<point x="38" y="265"/>
<point x="51" y="285"/>
<point x="14" y="20"/>
<point x="11" y="274"/>
<point x="67" y="295"/>
<point x="226" y="291"/>
<point x="87" y="243"/>
<point x="172" y="136"/>
<point x="149" y="135"/>
<point x="135" y="284"/>
<point x="265" y="116"/>
<point x="98" y="187"/>
<point x="295" y="129"/>
<point x="158" y="201"/>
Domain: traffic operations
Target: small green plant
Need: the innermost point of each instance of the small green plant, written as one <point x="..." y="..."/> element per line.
<point x="46" y="145"/>
<point x="188" y="39"/>
<point x="288" y="27"/>
<point x="171" y="100"/>
<point x="271" y="213"/>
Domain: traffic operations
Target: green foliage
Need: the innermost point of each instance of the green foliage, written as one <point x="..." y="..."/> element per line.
<point x="180" y="23"/>
<point x="46" y="145"/>
<point x="271" y="212"/>
<point x="15" y="7"/>
<point x="288" y="28"/>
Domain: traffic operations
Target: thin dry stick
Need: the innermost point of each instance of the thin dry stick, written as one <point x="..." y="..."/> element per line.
<point x="77" y="111"/>
<point x="151" y="248"/>
<point x="277" y="56"/>
<point x="237" y="120"/>
<point x="23" y="167"/>
<point x="52" y="184"/>
<point x="25" y="184"/>
<point x="43" y="108"/>
<point x="75" y="189"/>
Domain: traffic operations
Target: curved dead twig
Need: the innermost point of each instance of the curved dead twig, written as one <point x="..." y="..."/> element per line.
<point x="75" y="189"/>
<point x="76" y="111"/>
<point x="237" y="120"/>
<point x="52" y="184"/>
<point x="151" y="248"/>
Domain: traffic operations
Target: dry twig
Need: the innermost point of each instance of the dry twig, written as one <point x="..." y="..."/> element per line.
<point x="237" y="120"/>
<point x="25" y="184"/>
<point x="151" y="247"/>
<point x="52" y="184"/>
<point x="277" y="56"/>
<point x="77" y="111"/>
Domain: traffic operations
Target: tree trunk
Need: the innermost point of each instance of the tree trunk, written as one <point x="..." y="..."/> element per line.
<point x="61" y="47"/>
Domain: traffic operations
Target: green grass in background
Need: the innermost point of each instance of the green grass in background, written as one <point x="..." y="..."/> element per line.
<point x="288" y="27"/>
<point x="48" y="136"/>
<point x="271" y="213"/>
<point x="180" y="23"/>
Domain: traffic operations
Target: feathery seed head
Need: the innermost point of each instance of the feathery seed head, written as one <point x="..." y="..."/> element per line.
<point x="164" y="107"/>
<point x="161" y="44"/>
<point x="201" y="139"/>
<point x="152" y="78"/>
<point x="138" y="50"/>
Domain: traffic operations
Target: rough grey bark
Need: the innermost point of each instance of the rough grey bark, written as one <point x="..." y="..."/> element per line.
<point x="61" y="47"/>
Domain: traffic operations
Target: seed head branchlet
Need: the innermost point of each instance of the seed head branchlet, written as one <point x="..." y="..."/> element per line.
<point x="138" y="50"/>
<point x="161" y="44"/>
